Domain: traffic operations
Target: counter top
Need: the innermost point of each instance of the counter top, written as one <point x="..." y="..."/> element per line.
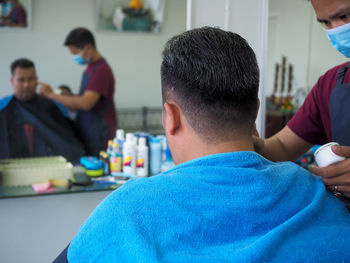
<point x="25" y="191"/>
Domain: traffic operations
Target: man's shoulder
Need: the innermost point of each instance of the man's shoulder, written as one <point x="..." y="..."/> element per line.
<point x="334" y="70"/>
<point x="102" y="67"/>
<point x="52" y="106"/>
<point x="5" y="101"/>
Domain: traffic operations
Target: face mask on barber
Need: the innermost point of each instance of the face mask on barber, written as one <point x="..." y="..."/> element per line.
<point x="79" y="60"/>
<point x="340" y="38"/>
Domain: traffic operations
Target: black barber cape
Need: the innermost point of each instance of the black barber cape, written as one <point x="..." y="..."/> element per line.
<point x="36" y="128"/>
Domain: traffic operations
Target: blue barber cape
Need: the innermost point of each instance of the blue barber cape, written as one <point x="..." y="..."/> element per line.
<point x="230" y="207"/>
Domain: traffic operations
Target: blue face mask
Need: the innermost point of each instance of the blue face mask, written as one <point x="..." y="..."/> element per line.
<point x="7" y="8"/>
<point x="79" y="60"/>
<point x="340" y="38"/>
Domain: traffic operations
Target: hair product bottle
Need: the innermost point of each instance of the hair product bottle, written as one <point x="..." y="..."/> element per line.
<point x="116" y="159"/>
<point x="129" y="155"/>
<point x="142" y="157"/>
<point x="156" y="155"/>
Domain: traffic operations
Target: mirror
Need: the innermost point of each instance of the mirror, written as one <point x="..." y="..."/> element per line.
<point x="296" y="41"/>
<point x="134" y="57"/>
<point x="130" y="15"/>
<point x="15" y="14"/>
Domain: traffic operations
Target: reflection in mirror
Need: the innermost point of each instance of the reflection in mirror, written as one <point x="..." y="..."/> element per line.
<point x="130" y="15"/>
<point x="298" y="54"/>
<point x="15" y="13"/>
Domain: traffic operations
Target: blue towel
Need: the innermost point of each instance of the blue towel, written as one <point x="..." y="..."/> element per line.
<point x="230" y="207"/>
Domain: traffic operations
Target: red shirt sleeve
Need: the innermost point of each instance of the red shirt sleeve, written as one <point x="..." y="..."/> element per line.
<point x="101" y="81"/>
<point x="312" y="121"/>
<point x="308" y="123"/>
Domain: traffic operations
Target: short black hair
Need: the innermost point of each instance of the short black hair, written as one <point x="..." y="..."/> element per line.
<point x="65" y="87"/>
<point x="21" y="63"/>
<point x="214" y="77"/>
<point x="80" y="37"/>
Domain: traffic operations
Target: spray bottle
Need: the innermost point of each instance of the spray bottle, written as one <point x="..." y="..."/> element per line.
<point x="115" y="159"/>
<point x="129" y="155"/>
<point x="156" y="155"/>
<point x="142" y="157"/>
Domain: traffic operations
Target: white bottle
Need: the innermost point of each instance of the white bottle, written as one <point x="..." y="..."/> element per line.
<point x="119" y="138"/>
<point x="142" y="158"/>
<point x="129" y="155"/>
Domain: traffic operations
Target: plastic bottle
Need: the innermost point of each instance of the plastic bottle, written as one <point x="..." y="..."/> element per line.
<point x="109" y="148"/>
<point x="142" y="157"/>
<point x="129" y="155"/>
<point x="119" y="138"/>
<point x="155" y="155"/>
<point x="163" y="144"/>
<point x="105" y="161"/>
<point x="115" y="159"/>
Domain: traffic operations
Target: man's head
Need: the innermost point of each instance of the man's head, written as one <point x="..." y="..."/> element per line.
<point x="332" y="13"/>
<point x="65" y="90"/>
<point x="24" y="80"/>
<point x="210" y="81"/>
<point x="81" y="42"/>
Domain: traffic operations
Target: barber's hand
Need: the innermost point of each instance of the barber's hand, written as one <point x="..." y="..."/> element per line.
<point x="46" y="90"/>
<point x="259" y="143"/>
<point x="336" y="177"/>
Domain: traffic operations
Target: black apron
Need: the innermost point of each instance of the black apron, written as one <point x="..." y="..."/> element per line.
<point x="92" y="128"/>
<point x="339" y="109"/>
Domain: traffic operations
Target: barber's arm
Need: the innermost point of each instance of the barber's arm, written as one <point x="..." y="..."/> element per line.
<point x="338" y="174"/>
<point x="78" y="102"/>
<point x="283" y="146"/>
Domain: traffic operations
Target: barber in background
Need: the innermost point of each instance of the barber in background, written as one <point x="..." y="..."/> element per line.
<point x="32" y="126"/>
<point x="15" y="15"/>
<point x="325" y="115"/>
<point x="96" y="118"/>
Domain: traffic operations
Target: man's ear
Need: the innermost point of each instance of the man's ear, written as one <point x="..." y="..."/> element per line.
<point x="171" y="118"/>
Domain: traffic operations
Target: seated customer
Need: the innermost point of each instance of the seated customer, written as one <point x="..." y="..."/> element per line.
<point x="31" y="125"/>
<point x="222" y="202"/>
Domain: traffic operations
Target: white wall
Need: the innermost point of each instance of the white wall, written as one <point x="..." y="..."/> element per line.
<point x="134" y="57"/>
<point x="37" y="229"/>
<point x="245" y="17"/>
<point x="295" y="33"/>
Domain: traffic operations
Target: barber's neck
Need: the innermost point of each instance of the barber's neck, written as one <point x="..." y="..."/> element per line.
<point x="95" y="56"/>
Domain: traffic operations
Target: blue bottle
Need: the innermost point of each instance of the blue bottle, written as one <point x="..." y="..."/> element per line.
<point x="155" y="155"/>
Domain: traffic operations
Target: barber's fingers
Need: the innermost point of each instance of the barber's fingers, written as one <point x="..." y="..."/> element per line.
<point x="259" y="143"/>
<point x="343" y="179"/>
<point x="343" y="189"/>
<point x="336" y="169"/>
<point x="341" y="150"/>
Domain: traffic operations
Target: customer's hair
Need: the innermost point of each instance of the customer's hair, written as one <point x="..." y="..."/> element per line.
<point x="214" y="77"/>
<point x="66" y="88"/>
<point x="80" y="37"/>
<point x="21" y="63"/>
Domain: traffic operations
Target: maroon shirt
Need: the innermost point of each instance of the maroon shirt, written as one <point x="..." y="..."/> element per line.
<point x="18" y="15"/>
<point x="102" y="82"/>
<point x="312" y="122"/>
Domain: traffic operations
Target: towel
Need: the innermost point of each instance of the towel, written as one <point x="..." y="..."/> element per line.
<point x="230" y="207"/>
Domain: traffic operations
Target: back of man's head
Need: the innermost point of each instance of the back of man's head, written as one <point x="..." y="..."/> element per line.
<point x="80" y="37"/>
<point x="21" y="63"/>
<point x="213" y="76"/>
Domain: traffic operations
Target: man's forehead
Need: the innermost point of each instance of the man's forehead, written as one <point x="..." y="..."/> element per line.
<point x="18" y="72"/>
<point x="329" y="9"/>
<point x="74" y="49"/>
